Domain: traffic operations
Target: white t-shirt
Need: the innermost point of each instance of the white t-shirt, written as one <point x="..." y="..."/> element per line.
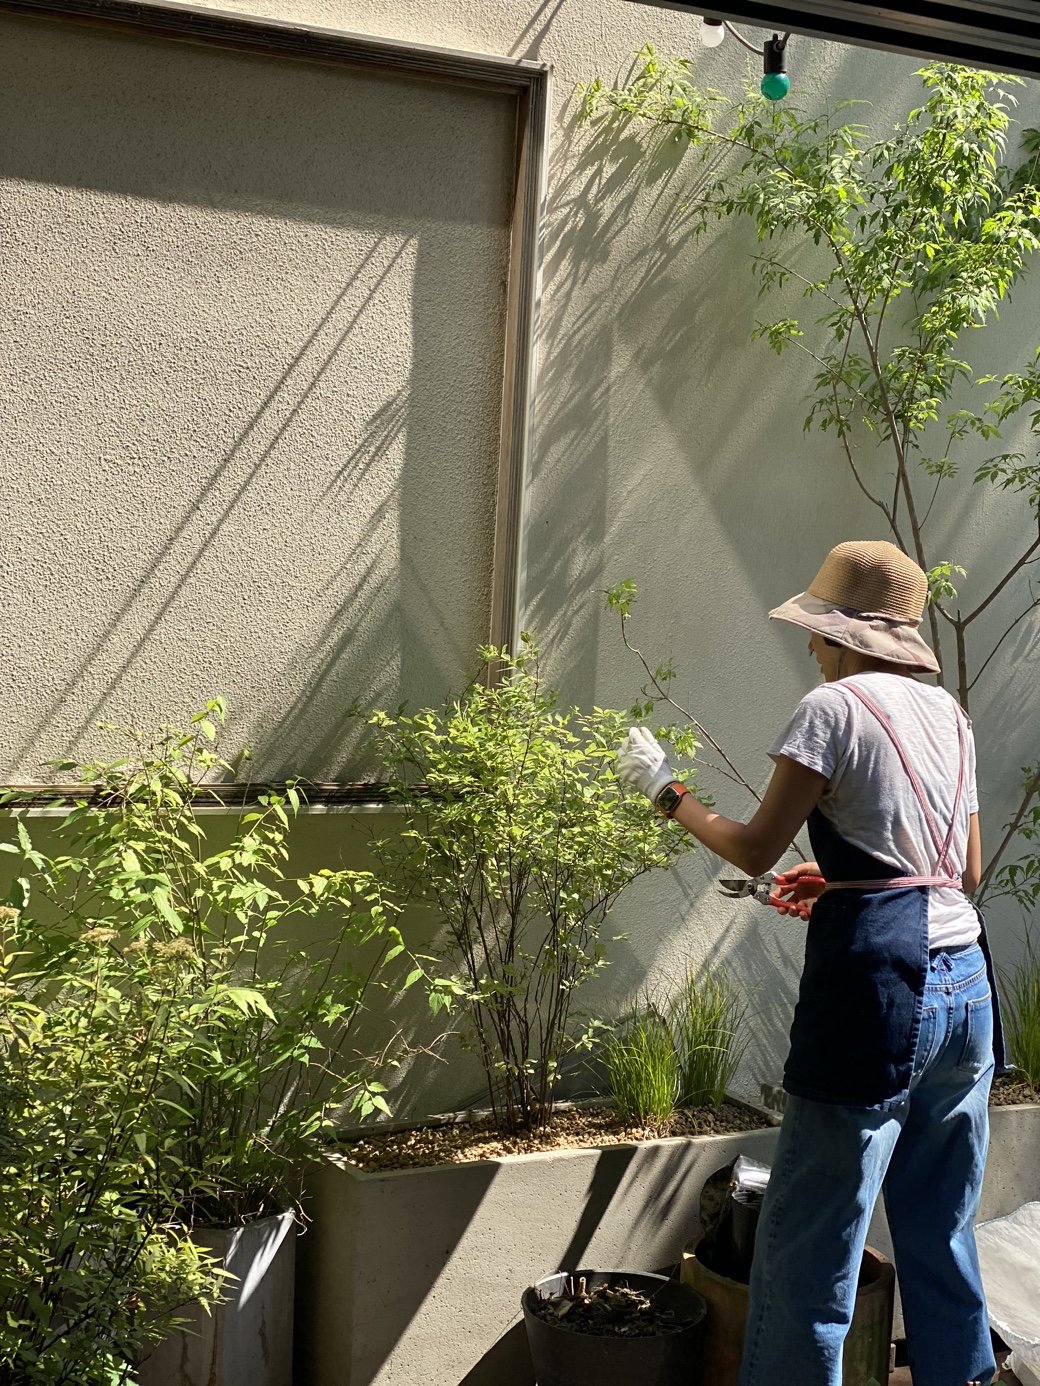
<point x="869" y="798"/>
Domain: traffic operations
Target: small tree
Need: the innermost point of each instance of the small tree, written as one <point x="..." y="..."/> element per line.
<point x="902" y="244"/>
<point x="517" y="833"/>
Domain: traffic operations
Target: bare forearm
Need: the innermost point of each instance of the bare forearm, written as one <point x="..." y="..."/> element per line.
<point x="755" y="847"/>
<point x="733" y="841"/>
<point x="972" y="873"/>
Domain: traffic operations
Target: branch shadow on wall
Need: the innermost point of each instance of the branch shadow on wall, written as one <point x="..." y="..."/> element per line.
<point x="327" y="505"/>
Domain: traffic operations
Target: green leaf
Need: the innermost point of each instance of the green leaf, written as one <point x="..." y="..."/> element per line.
<point x="249" y="1001"/>
<point x="160" y="897"/>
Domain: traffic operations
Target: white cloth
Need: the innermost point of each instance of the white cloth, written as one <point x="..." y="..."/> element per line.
<point x="869" y="798"/>
<point x="1011" y="1275"/>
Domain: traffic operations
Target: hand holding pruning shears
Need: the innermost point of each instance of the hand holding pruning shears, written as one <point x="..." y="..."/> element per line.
<point x="791" y="892"/>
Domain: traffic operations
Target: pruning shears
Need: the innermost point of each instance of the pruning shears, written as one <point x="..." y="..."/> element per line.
<point x="764" y="890"/>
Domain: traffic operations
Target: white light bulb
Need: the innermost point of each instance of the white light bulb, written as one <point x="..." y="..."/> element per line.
<point x="711" y="33"/>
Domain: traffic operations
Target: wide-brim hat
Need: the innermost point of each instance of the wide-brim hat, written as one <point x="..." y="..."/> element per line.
<point x="868" y="596"/>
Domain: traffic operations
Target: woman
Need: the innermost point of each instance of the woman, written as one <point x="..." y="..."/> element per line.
<point x="892" y="1043"/>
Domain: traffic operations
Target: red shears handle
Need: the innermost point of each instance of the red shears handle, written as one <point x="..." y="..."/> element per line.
<point x="803" y="908"/>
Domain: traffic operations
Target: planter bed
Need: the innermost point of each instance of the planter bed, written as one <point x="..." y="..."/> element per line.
<point x="413" y="1277"/>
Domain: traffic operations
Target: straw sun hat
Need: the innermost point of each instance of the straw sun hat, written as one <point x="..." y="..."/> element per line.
<point x="868" y="596"/>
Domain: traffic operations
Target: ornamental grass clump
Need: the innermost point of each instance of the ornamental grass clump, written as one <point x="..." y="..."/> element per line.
<point x="707" y="1014"/>
<point x="643" y="1069"/>
<point x="518" y="836"/>
<point x="1021" y="996"/>
<point x="677" y="1050"/>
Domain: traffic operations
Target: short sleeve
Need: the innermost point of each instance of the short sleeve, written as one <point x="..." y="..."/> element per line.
<point x="816" y="735"/>
<point x="971" y="786"/>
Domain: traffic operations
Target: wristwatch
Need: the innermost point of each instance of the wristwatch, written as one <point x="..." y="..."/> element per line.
<point x="670" y="797"/>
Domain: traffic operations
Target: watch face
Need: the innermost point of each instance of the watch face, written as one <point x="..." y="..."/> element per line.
<point x="668" y="799"/>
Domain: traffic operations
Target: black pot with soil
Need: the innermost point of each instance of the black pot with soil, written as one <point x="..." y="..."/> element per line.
<point x="613" y="1328"/>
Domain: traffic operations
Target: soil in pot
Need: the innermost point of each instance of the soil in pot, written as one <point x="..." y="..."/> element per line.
<point x="615" y="1310"/>
<point x="612" y="1328"/>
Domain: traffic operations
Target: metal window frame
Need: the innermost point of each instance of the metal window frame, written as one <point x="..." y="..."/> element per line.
<point x="529" y="84"/>
<point x="1000" y="34"/>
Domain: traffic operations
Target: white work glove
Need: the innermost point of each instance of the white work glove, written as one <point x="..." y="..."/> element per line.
<point x="642" y="764"/>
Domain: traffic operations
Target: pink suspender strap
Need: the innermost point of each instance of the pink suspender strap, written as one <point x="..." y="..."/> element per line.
<point x="945" y="875"/>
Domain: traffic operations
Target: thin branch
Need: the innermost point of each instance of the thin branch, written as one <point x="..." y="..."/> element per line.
<point x="1016" y="567"/>
<point x="1030" y="608"/>
<point x="847" y="449"/>
<point x="935" y="493"/>
<point x="665" y="697"/>
<point x="1031" y="790"/>
<point x="938" y="480"/>
<point x="794" y="274"/>
<point x="962" y="664"/>
<point x="827" y="365"/>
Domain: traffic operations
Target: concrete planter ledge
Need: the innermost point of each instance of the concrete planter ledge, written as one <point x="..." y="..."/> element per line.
<point x="413" y="1277"/>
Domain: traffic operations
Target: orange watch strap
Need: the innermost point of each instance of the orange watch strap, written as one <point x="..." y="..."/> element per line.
<point x="680" y="792"/>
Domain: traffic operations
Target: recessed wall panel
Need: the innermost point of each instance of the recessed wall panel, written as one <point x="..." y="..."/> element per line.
<point x="251" y="325"/>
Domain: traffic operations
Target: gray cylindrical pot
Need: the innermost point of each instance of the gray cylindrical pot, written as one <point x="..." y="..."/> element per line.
<point x="248" y="1340"/>
<point x="565" y="1357"/>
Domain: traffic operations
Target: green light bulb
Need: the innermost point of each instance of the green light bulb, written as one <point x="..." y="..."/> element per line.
<point x="775" y="86"/>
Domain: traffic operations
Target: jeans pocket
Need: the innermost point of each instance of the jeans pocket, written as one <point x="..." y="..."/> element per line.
<point x="977" y="1049"/>
<point x="925" y="1040"/>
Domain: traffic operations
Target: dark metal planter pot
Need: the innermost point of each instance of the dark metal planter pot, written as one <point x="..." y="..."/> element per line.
<point x="563" y="1357"/>
<point x="867" y="1347"/>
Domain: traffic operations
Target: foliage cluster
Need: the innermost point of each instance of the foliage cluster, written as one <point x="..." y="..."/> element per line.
<point x="519" y="836"/>
<point x="901" y="245"/>
<point x="170" y="1045"/>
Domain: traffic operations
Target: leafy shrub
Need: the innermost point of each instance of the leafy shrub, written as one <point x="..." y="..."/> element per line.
<point x="249" y="1084"/>
<point x="518" y="835"/>
<point x="90" y="1271"/>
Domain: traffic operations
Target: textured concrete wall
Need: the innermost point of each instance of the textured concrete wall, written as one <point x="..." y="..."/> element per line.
<point x="668" y="447"/>
<point x="252" y="341"/>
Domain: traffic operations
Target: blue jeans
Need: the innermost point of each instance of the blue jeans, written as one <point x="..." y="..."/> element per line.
<point x="928" y="1156"/>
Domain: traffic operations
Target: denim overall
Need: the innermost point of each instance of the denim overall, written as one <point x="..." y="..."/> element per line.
<point x="888" y="1080"/>
<point x="869" y="944"/>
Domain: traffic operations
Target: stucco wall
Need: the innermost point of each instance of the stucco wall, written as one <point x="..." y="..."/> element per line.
<point x="668" y="449"/>
<point x="253" y="326"/>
